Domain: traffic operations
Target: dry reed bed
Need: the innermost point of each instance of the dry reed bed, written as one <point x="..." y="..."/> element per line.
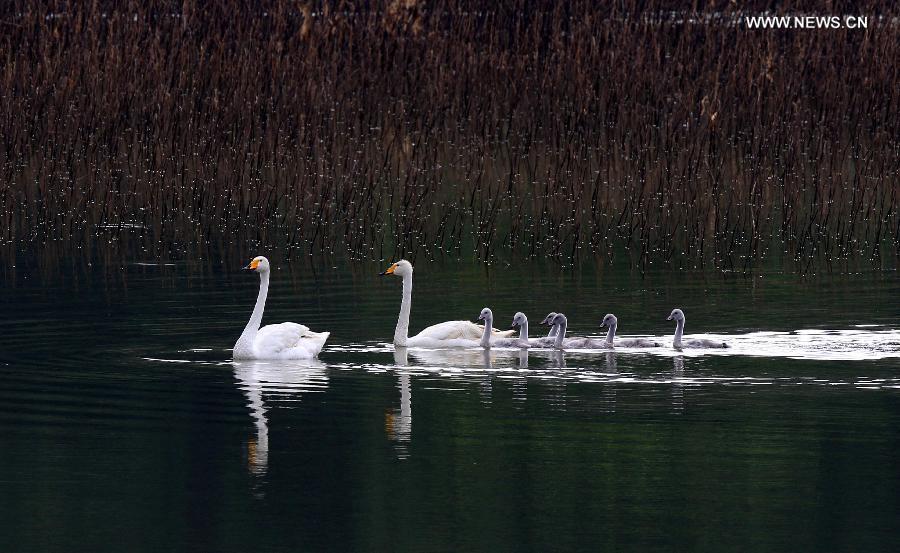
<point x="432" y="128"/>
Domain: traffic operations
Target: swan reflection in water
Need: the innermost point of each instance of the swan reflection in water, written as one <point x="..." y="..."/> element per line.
<point x="260" y="378"/>
<point x="520" y="385"/>
<point x="609" y="389"/>
<point x="488" y="359"/>
<point x="557" y="359"/>
<point x="398" y="422"/>
<point x="677" y="386"/>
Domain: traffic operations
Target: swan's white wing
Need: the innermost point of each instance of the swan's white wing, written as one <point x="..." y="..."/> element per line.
<point x="458" y="330"/>
<point x="288" y="341"/>
<point x="452" y="330"/>
<point x="309" y="346"/>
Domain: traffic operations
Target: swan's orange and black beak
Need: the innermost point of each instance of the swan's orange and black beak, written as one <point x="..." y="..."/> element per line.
<point x="252" y="266"/>
<point x="389" y="271"/>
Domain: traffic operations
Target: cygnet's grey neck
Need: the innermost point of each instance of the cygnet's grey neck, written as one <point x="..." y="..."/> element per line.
<point x="679" y="331"/>
<point x="611" y="334"/>
<point x="523" y="331"/>
<point x="561" y="331"/>
<point x="488" y="325"/>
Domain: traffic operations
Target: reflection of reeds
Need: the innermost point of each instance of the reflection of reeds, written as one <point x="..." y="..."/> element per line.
<point x="425" y="128"/>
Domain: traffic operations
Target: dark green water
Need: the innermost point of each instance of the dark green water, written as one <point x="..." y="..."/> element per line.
<point x="124" y="426"/>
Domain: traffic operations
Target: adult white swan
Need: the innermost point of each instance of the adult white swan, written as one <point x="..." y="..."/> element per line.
<point x="278" y="341"/>
<point x="612" y="322"/>
<point x="441" y="335"/>
<point x="678" y="316"/>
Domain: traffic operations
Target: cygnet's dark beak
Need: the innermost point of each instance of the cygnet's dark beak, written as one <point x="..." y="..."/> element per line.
<point x="669" y="318"/>
<point x="602" y="324"/>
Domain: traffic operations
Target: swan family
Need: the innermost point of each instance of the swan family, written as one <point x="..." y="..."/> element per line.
<point x="297" y="341"/>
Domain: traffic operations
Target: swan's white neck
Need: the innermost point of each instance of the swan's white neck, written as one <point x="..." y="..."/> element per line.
<point x="243" y="349"/>
<point x="401" y="333"/>
<point x="553" y="331"/>
<point x="523" y="331"/>
<point x="610" y="336"/>
<point x="486" y="336"/>
<point x="560" y="332"/>
<point x="679" y="330"/>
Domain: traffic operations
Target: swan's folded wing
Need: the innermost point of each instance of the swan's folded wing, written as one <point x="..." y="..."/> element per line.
<point x="273" y="339"/>
<point x="459" y="330"/>
<point x="585" y="343"/>
<point x="638" y="343"/>
<point x="542" y="342"/>
<point x="313" y="342"/>
<point x="452" y="330"/>
<point x="704" y="343"/>
<point x="505" y="342"/>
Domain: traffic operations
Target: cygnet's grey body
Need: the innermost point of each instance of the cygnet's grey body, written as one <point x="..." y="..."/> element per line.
<point x="561" y="342"/>
<point x="677" y="315"/>
<point x="612" y="322"/>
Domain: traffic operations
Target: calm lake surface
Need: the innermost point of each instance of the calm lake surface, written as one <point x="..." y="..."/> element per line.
<point x="125" y="426"/>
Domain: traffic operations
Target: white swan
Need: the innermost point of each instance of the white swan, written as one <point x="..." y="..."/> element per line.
<point x="561" y="342"/>
<point x="488" y="338"/>
<point x="612" y="322"/>
<point x="278" y="341"/>
<point x="521" y="321"/>
<point x="441" y="335"/>
<point x="678" y="316"/>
